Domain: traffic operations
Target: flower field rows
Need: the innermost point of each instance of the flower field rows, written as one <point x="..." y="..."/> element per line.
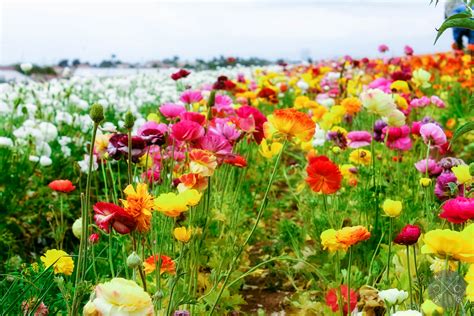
<point x="339" y="187"/>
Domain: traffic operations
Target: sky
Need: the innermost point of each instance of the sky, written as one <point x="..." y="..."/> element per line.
<point x="46" y="31"/>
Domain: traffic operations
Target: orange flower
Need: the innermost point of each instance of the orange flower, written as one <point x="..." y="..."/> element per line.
<point x="65" y="186"/>
<point x="323" y="175"/>
<point x="167" y="264"/>
<point x="192" y="181"/>
<point x="202" y="162"/>
<point x="293" y="123"/>
<point x="352" y="105"/>
<point x="139" y="204"/>
<point x="352" y="235"/>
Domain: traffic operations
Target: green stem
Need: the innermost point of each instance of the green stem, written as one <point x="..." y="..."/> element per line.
<point x="175" y="281"/>
<point x="389" y="249"/>
<point x="349" y="281"/>
<point x="420" y="288"/>
<point x="338" y="283"/>
<point x="111" y="261"/>
<point x="129" y="156"/>
<point x="409" y="277"/>
<point x="259" y="215"/>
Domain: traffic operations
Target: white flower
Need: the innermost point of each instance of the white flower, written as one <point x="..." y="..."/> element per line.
<point x="396" y="118"/>
<point x="6" y="142"/>
<point x="407" y="313"/>
<point x="66" y="151"/>
<point x="302" y="85"/>
<point x="26" y="67"/>
<point x="45" y="161"/>
<point x="48" y="130"/>
<point x="84" y="164"/>
<point x="77" y="228"/>
<point x="319" y="137"/>
<point x="378" y="102"/>
<point x="64" y="117"/>
<point x="43" y="149"/>
<point x="393" y="296"/>
<point x="421" y="78"/>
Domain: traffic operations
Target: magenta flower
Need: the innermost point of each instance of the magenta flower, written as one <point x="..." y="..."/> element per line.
<point x="118" y="147"/>
<point x="251" y="120"/>
<point x="383" y="48"/>
<point x="433" y="168"/>
<point x="190" y="96"/>
<point x="359" y="139"/>
<point x="171" y="110"/>
<point x="382" y="84"/>
<point x="223" y="103"/>
<point x="408" y="50"/>
<point x="194" y="117"/>
<point x="398" y="137"/>
<point x="408" y="236"/>
<point x="458" y="210"/>
<point x="185" y="131"/>
<point x="442" y="189"/>
<point x="110" y="215"/>
<point x="433" y="134"/>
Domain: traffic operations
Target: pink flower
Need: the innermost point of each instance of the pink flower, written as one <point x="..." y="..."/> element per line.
<point x="421" y="102"/>
<point x="433" y="134"/>
<point x="438" y="102"/>
<point x="359" y="139"/>
<point x="222" y="103"/>
<point x="109" y="214"/>
<point x="190" y="96"/>
<point x="433" y="168"/>
<point x="216" y="144"/>
<point x="383" y="48"/>
<point x="153" y="133"/>
<point x="187" y="131"/>
<point x="94" y="238"/>
<point x="398" y="137"/>
<point x="193" y="116"/>
<point x="251" y="120"/>
<point x="408" y="50"/>
<point x="152" y="175"/>
<point x="458" y="210"/>
<point x="415" y="127"/>
<point x="382" y="84"/>
<point x="224" y="127"/>
<point x="171" y="110"/>
<point x="442" y="187"/>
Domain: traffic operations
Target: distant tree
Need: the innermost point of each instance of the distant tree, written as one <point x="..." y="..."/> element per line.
<point x="106" y="64"/>
<point x="63" y="63"/>
<point x="76" y="62"/>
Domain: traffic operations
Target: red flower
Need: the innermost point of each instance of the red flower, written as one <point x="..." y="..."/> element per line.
<point x="167" y="264"/>
<point x="223" y="83"/>
<point x="182" y="73"/>
<point x="62" y="186"/>
<point x="332" y="299"/>
<point x="268" y="94"/>
<point x="187" y="131"/>
<point x="109" y="214"/>
<point x="458" y="210"/>
<point x="323" y="175"/>
<point x="408" y="236"/>
<point x="237" y="161"/>
<point x="94" y="238"/>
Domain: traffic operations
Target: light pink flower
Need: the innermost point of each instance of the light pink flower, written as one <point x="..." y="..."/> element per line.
<point x="217" y="144"/>
<point x="171" y="110"/>
<point x="433" y="134"/>
<point x="382" y="84"/>
<point x="421" y="102"/>
<point x="225" y="128"/>
<point x="359" y="139"/>
<point x="433" y="168"/>
<point x="223" y="103"/>
<point x="190" y="96"/>
<point x="438" y="102"/>
<point x="187" y="131"/>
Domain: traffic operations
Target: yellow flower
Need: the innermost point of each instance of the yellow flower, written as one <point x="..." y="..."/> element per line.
<point x="396" y="118"/>
<point x="119" y="297"/>
<point x="172" y="204"/>
<point x="360" y="156"/>
<point x="153" y="117"/>
<point x="400" y="86"/>
<point x="429" y="308"/>
<point x="452" y="244"/>
<point x="401" y="102"/>
<point x="421" y="78"/>
<point x="329" y="241"/>
<point x="182" y="234"/>
<point x="292" y="123"/>
<point x="269" y="152"/>
<point x="352" y="105"/>
<point x="425" y="182"/>
<point x="470" y="283"/>
<point x="378" y="102"/>
<point x="392" y="208"/>
<point x="139" y="204"/>
<point x="60" y="260"/>
<point x="462" y="173"/>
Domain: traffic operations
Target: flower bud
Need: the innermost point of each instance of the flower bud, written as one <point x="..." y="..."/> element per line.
<point x="134" y="261"/>
<point x="97" y="113"/>
<point x="77" y="228"/>
<point x="336" y="150"/>
<point x="129" y="120"/>
<point x="94" y="238"/>
<point x="425" y="182"/>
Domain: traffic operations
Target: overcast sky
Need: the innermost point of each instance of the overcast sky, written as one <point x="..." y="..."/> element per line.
<point x="45" y="31"/>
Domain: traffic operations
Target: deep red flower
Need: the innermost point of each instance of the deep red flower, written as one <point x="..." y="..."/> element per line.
<point x="332" y="299"/>
<point x="237" y="161"/>
<point x="268" y="94"/>
<point x="94" y="238"/>
<point x="118" y="147"/>
<point x="408" y="236"/>
<point x="109" y="214"/>
<point x="223" y="83"/>
<point x="323" y="175"/>
<point x="458" y="210"/>
<point x="65" y="186"/>
<point x="182" y="73"/>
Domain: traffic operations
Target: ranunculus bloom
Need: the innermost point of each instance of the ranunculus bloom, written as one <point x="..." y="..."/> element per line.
<point x="433" y="134"/>
<point x="236" y="161"/>
<point x="118" y="147"/>
<point x="217" y="144"/>
<point x="139" y="204"/>
<point x="352" y="235"/>
<point x="190" y="96"/>
<point x="182" y="234"/>
<point x="251" y="120"/>
<point x="182" y="73"/>
<point x="408" y="236"/>
<point x="202" y="162"/>
<point x="324" y="176"/>
<point x="408" y="50"/>
<point x="458" y="210"/>
<point x="462" y="173"/>
<point x="167" y="264"/>
<point x="60" y="260"/>
<point x="187" y="131"/>
<point x="329" y="241"/>
<point x="378" y="102"/>
<point x="392" y="208"/>
<point x="152" y="133"/>
<point x="194" y="117"/>
<point x="110" y="215"/>
<point x="456" y="245"/>
<point x="398" y="137"/>
<point x="293" y="123"/>
<point x="172" y="204"/>
<point x="333" y="302"/>
<point x="171" y="110"/>
<point x="393" y="296"/>
<point x="65" y="186"/>
<point x="378" y="130"/>
<point x="119" y="297"/>
<point x="359" y="139"/>
<point x="442" y="189"/>
<point x="433" y="168"/>
<point x="383" y="48"/>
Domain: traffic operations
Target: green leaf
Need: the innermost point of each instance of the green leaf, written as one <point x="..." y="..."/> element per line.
<point x="463" y="22"/>
<point x="461" y="130"/>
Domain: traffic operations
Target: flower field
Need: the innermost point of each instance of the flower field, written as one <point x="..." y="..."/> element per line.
<point x="338" y="187"/>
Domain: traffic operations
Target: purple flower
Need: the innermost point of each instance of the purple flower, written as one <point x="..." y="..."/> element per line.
<point x="338" y="138"/>
<point x="442" y="189"/>
<point x="378" y="130"/>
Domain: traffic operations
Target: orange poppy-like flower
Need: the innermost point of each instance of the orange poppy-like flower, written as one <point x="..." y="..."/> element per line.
<point x="167" y="264"/>
<point x="192" y="181"/>
<point x="65" y="186"/>
<point x="293" y="123"/>
<point x="139" y="204"/>
<point x="352" y="105"/>
<point x="202" y="162"/>
<point x="324" y="176"/>
<point x="349" y="236"/>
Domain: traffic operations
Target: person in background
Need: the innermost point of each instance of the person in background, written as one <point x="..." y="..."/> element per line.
<point x="451" y="8"/>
